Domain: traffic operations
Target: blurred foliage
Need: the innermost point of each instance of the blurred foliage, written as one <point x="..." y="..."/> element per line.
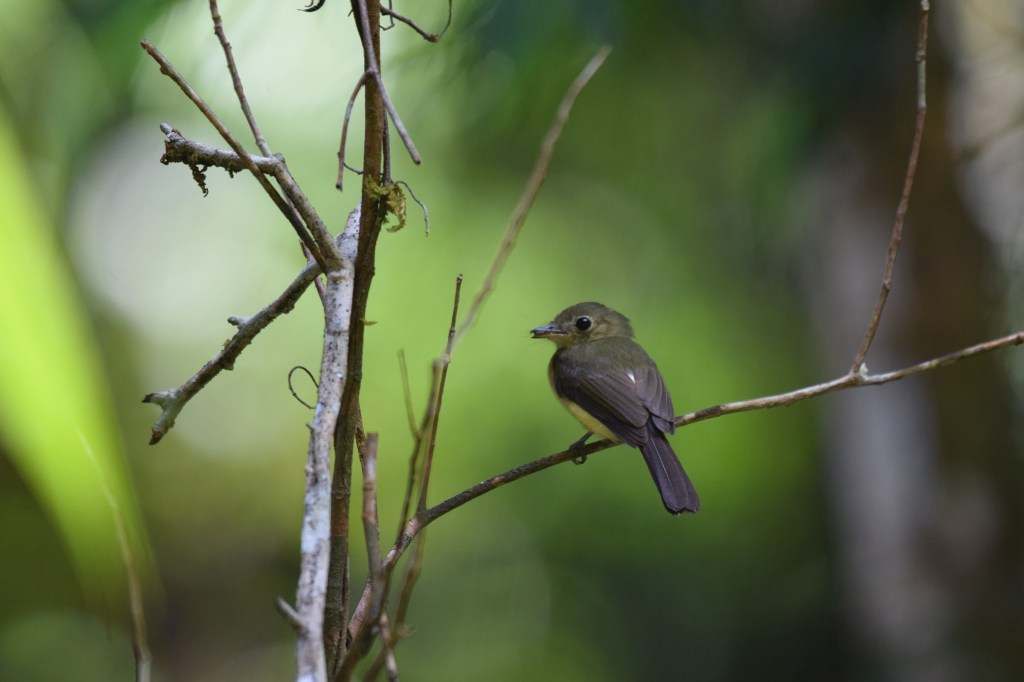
<point x="670" y="198"/>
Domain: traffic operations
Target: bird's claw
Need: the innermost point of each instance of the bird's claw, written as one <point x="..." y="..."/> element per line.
<point x="580" y="456"/>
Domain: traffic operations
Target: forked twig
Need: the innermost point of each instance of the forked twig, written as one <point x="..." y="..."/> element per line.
<point x="174" y="400"/>
<point x="373" y="69"/>
<point x="313" y="234"/>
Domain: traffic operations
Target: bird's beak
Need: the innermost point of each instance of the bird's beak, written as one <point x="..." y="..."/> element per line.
<point x="548" y="331"/>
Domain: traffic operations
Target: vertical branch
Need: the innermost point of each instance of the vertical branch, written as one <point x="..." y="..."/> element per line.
<point x="312" y="590"/>
<point x="371" y="527"/>
<point x="908" y="184"/>
<point x="366" y="615"/>
<point x="440" y="366"/>
<point x="376" y="579"/>
<point x="367" y="20"/>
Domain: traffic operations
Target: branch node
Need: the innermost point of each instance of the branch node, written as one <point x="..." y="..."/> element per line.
<point x="290" y="615"/>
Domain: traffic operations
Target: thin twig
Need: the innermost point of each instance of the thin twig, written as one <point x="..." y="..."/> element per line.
<point x="904" y="203"/>
<point x="312" y="233"/>
<point x="292" y="388"/>
<point x="419" y="437"/>
<point x="344" y="128"/>
<point x="386" y="657"/>
<point x="410" y="411"/>
<point x="288" y="613"/>
<point x="396" y="634"/>
<point x="426" y="215"/>
<point x="849" y="380"/>
<point x="371" y="530"/>
<point x="236" y="80"/>
<point x="443" y="363"/>
<point x="140" y="643"/>
<point x="429" y="37"/>
<point x="533" y="185"/>
<point x="373" y="70"/>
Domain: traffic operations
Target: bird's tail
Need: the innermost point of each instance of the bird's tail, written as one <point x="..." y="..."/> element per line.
<point x="674" y="485"/>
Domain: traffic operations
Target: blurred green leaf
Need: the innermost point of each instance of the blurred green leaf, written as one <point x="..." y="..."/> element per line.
<point x="56" y="416"/>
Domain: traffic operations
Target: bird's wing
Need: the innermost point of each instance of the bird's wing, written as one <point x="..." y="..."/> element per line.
<point x="621" y="399"/>
<point x="654" y="395"/>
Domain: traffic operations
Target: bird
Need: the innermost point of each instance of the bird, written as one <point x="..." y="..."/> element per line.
<point x="609" y="383"/>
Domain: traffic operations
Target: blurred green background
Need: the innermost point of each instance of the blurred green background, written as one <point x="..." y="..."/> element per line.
<point x="728" y="180"/>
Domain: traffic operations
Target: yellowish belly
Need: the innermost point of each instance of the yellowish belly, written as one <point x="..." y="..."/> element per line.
<point x="587" y="420"/>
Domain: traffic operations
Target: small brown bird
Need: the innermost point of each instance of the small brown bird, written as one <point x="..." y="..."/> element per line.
<point x="613" y="388"/>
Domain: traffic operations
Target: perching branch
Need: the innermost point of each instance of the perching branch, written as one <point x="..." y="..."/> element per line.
<point x="425" y="517"/>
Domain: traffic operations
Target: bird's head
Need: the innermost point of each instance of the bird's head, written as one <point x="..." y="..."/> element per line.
<point x="582" y="323"/>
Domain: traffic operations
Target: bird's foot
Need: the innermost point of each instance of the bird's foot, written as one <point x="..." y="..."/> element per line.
<point x="579" y="456"/>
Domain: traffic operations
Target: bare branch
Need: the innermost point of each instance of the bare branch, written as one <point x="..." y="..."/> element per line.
<point x="441" y="366"/>
<point x="533" y="185"/>
<point x="850" y="380"/>
<point x="174" y="400"/>
<point x="289" y="614"/>
<point x="140" y="642"/>
<point x="373" y="69"/>
<point x="346" y="430"/>
<point x="323" y="249"/>
<point x="429" y="37"/>
<point x="308" y="215"/>
<point x="236" y="80"/>
<point x="908" y="184"/>
<point x="179" y="149"/>
<point x="316" y="547"/>
<point x="344" y="129"/>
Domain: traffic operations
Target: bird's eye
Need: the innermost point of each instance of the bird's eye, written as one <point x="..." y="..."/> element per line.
<point x="583" y="323"/>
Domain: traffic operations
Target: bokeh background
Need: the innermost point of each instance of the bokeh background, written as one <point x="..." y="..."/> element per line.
<point x="728" y="180"/>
